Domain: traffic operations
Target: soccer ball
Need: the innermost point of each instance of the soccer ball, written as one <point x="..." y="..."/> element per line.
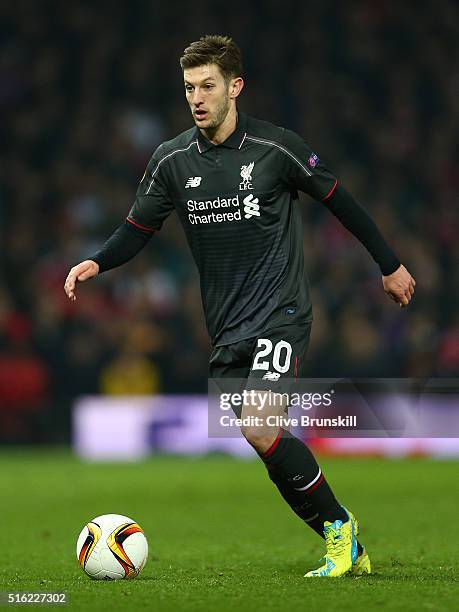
<point x="112" y="547"/>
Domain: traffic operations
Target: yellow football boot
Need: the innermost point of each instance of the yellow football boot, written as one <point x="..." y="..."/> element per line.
<point x="341" y="543"/>
<point x="362" y="565"/>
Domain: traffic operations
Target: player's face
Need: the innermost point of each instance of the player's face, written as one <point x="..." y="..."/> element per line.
<point x="208" y="95"/>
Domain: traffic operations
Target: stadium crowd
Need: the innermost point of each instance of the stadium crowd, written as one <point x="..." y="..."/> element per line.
<point x="87" y="92"/>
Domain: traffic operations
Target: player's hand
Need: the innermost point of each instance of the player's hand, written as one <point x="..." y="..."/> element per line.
<point x="80" y="273"/>
<point x="399" y="286"/>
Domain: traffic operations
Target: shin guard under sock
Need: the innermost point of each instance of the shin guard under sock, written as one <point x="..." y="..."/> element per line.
<point x="295" y="465"/>
<point x="302" y="505"/>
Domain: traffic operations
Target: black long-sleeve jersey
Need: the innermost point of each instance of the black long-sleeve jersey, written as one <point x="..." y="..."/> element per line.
<point x="237" y="202"/>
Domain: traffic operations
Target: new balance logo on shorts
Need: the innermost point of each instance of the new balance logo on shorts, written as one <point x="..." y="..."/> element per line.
<point x="193" y="181"/>
<point x="271" y="376"/>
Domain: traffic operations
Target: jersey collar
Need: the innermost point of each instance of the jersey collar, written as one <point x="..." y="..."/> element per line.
<point x="234" y="140"/>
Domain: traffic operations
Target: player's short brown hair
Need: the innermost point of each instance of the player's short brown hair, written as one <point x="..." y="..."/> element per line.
<point x="214" y="49"/>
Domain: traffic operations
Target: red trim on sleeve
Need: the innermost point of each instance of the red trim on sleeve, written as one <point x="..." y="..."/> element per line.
<point x="142" y="227"/>
<point x="330" y="193"/>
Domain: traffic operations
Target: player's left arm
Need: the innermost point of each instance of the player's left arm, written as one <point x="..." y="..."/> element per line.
<point x="307" y="173"/>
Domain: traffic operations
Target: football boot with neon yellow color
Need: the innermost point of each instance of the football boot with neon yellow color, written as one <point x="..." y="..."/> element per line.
<point x="341" y="543"/>
<point x="362" y="565"/>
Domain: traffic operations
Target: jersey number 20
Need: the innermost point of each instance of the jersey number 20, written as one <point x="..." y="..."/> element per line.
<point x="281" y="358"/>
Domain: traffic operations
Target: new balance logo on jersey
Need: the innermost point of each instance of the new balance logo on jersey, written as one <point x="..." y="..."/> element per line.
<point x="246" y="176"/>
<point x="251" y="206"/>
<point x="271" y="376"/>
<point x="193" y="181"/>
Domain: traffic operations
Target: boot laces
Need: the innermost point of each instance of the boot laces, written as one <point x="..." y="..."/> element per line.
<point x="335" y="541"/>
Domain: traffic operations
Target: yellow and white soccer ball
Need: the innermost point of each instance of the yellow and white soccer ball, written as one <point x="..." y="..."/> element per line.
<point x="112" y="547"/>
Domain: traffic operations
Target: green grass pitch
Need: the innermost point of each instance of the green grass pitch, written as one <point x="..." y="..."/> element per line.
<point x="221" y="538"/>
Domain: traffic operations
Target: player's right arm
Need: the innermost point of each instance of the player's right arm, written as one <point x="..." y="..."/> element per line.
<point x="151" y="207"/>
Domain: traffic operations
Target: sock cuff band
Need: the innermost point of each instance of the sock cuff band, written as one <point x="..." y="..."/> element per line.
<point x="311" y="486"/>
<point x="273" y="446"/>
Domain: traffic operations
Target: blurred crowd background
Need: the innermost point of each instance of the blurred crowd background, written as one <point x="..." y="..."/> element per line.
<point x="87" y="92"/>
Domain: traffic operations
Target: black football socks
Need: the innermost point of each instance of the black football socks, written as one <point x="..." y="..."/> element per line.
<point x="291" y="461"/>
<point x="300" y="504"/>
<point x="293" y="469"/>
